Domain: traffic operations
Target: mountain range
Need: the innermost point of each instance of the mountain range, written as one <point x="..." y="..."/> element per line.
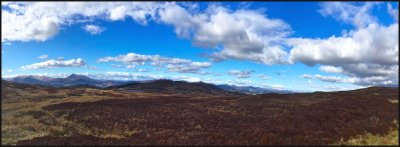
<point x="181" y="87"/>
<point x="251" y="89"/>
<point x="71" y="80"/>
<point x="163" y="85"/>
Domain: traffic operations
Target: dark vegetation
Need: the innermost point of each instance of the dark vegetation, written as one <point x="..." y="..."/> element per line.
<point x="173" y="87"/>
<point x="319" y="118"/>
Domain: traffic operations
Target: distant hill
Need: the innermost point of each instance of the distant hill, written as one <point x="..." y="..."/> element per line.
<point x="30" y="79"/>
<point x="10" y="90"/>
<point x="165" y="86"/>
<point x="71" y="80"/>
<point x="169" y="86"/>
<point x="251" y="89"/>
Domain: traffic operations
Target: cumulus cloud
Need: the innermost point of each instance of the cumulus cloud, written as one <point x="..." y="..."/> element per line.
<point x="329" y="78"/>
<point x="376" y="40"/>
<point x="369" y="53"/>
<point x="130" y="58"/>
<point x="344" y="11"/>
<point x="191" y="67"/>
<point x="93" y="29"/>
<point x="42" y="57"/>
<point x="55" y="63"/>
<point x="240" y="74"/>
<point x="254" y="37"/>
<point x="331" y="69"/>
<point x="171" y="64"/>
<point x="40" y="21"/>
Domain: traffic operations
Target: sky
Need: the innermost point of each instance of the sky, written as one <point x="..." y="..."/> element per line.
<point x="298" y="46"/>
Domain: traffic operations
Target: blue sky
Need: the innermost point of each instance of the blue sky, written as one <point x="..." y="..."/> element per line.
<point x="301" y="46"/>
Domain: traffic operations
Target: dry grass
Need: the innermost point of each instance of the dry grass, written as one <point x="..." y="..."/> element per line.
<point x="24" y="117"/>
<point x="19" y="124"/>
<point x="394" y="101"/>
<point x="392" y="138"/>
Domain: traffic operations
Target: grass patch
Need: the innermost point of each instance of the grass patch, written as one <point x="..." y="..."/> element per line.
<point x="394" y="101"/>
<point x="392" y="138"/>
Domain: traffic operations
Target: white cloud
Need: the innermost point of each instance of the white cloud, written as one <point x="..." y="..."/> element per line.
<point x="118" y="13"/>
<point x="10" y="70"/>
<point x="278" y="87"/>
<point x="240" y="74"/>
<point x="393" y="12"/>
<point x="54" y="64"/>
<point x="192" y="67"/>
<point x="171" y="64"/>
<point x="31" y="26"/>
<point x="42" y="57"/>
<point x="130" y="66"/>
<point x="331" y="69"/>
<point x="93" y="29"/>
<point x="369" y="53"/>
<point x="358" y="47"/>
<point x="40" y="21"/>
<point x="141" y="76"/>
<point x="307" y="76"/>
<point x="239" y="82"/>
<point x="253" y="37"/>
<point x="130" y="58"/>
<point x="127" y="76"/>
<point x="122" y="74"/>
<point x="361" y="81"/>
<point x="186" y="78"/>
<point x="332" y="79"/>
<point x="328" y="78"/>
<point x="54" y="75"/>
<point x="332" y="87"/>
<point x="349" y="13"/>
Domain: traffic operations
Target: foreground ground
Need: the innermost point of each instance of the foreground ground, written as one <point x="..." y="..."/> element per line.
<point x="36" y="115"/>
